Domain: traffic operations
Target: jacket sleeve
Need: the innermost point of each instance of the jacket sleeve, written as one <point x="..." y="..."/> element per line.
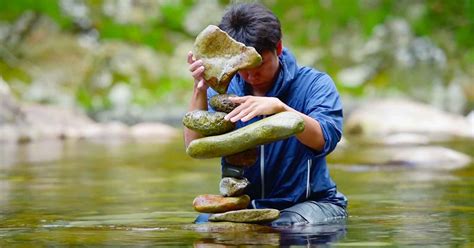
<point x="324" y="105"/>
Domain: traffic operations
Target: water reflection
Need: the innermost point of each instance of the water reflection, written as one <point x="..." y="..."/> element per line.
<point x="33" y="152"/>
<point x="140" y="194"/>
<point x="313" y="234"/>
<point x="232" y="234"/>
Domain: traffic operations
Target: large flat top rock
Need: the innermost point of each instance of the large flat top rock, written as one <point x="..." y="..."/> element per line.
<point x="222" y="57"/>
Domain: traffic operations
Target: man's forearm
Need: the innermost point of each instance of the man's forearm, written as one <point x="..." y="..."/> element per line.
<point x="312" y="135"/>
<point x="198" y="102"/>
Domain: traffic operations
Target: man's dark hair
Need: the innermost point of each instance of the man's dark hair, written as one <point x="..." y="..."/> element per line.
<point x="252" y="24"/>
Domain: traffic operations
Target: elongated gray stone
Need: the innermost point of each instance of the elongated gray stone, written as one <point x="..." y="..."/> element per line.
<point x="276" y="127"/>
<point x="222" y="57"/>
<point x="247" y="216"/>
<point x="230" y="186"/>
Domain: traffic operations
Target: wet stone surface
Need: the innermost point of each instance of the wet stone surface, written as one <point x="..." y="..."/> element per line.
<point x="222" y="103"/>
<point x="246" y="158"/>
<point x="222" y="57"/>
<point x="218" y="204"/>
<point x="207" y="123"/>
<point x="276" y="127"/>
<point x="247" y="216"/>
<point x="230" y="186"/>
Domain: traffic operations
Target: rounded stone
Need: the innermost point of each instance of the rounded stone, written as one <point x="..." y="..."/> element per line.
<point x="207" y="123"/>
<point x="222" y="103"/>
<point x="218" y="204"/>
<point x="246" y="158"/>
<point x="230" y="186"/>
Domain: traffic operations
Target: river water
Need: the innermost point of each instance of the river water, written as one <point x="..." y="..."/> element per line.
<point x="116" y="193"/>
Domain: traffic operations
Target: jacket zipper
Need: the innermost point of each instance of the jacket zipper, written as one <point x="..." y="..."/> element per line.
<point x="310" y="162"/>
<point x="262" y="169"/>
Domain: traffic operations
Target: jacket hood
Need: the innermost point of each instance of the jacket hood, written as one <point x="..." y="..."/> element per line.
<point x="288" y="71"/>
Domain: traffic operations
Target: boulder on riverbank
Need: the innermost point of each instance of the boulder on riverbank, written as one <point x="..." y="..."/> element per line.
<point x="398" y="121"/>
<point x="429" y="157"/>
<point x="33" y="122"/>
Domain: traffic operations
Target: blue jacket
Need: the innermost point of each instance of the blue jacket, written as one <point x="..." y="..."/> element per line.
<point x="287" y="171"/>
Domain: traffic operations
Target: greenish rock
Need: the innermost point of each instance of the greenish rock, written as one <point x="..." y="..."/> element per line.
<point x="207" y="123"/>
<point x="276" y="127"/>
<point x="246" y="158"/>
<point x="218" y="204"/>
<point x="231" y="186"/>
<point x="222" y="57"/>
<point x="221" y="103"/>
<point x="247" y="216"/>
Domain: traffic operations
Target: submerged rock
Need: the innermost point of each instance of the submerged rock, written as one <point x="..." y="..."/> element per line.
<point x="276" y="127"/>
<point x="222" y="103"/>
<point x="222" y="57"/>
<point x="247" y="216"/>
<point x="207" y="123"/>
<point x="230" y="186"/>
<point x="219" y="204"/>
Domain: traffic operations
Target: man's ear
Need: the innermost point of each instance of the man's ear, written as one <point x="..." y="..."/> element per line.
<point x="279" y="48"/>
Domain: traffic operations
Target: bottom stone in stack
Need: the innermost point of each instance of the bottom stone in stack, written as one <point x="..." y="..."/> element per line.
<point x="247" y="216"/>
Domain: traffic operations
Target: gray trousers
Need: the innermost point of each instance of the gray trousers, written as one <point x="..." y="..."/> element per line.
<point x="310" y="212"/>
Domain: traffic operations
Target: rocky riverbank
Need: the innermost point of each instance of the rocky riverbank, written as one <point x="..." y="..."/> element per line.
<point x="22" y="122"/>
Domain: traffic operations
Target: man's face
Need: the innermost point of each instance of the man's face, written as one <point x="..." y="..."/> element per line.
<point x="263" y="75"/>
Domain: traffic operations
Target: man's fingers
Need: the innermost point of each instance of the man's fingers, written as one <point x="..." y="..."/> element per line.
<point x="238" y="99"/>
<point x="230" y="115"/>
<point x="249" y="116"/>
<point x="190" y="57"/>
<point x="234" y="112"/>
<point x="241" y="114"/>
<point x="195" y="65"/>
<point x="197" y="73"/>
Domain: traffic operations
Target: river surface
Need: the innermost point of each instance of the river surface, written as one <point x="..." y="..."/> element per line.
<point x="115" y="193"/>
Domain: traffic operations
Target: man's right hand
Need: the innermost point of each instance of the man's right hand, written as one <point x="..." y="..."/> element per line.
<point x="196" y="67"/>
<point x="199" y="97"/>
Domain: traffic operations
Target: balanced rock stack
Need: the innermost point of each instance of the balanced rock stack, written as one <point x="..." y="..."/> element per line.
<point x="222" y="57"/>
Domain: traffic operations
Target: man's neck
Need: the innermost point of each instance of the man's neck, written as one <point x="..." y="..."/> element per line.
<point x="261" y="91"/>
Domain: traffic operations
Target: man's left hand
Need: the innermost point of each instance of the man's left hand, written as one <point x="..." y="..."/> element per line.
<point x="251" y="106"/>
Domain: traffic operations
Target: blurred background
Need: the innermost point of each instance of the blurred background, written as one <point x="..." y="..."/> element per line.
<point x="92" y="93"/>
<point x="126" y="60"/>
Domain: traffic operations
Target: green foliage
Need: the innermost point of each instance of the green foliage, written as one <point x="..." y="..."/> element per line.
<point x="452" y="16"/>
<point x="10" y="73"/>
<point x="11" y="10"/>
<point x="305" y="24"/>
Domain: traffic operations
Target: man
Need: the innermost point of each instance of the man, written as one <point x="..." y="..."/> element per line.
<point x="290" y="175"/>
